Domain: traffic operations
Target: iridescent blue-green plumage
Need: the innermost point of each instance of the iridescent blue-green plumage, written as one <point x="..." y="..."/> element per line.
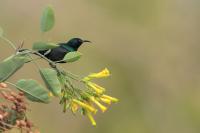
<point x="57" y="54"/>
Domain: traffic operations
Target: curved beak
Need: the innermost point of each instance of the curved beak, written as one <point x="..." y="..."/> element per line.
<point x="87" y="41"/>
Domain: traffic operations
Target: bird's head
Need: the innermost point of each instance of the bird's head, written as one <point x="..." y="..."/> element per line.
<point x="75" y="43"/>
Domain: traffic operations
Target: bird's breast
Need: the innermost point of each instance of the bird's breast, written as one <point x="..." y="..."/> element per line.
<point x="57" y="54"/>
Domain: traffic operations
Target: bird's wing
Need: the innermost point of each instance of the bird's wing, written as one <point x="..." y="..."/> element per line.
<point x="47" y="52"/>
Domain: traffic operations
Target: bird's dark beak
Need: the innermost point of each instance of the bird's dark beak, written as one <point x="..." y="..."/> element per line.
<point x="87" y="41"/>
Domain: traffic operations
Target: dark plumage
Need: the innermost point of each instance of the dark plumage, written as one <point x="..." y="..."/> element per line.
<point x="57" y="54"/>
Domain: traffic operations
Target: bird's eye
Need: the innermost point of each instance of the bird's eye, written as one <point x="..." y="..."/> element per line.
<point x="79" y="40"/>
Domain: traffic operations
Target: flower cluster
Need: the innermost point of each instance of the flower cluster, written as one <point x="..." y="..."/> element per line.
<point x="87" y="100"/>
<point x="13" y="111"/>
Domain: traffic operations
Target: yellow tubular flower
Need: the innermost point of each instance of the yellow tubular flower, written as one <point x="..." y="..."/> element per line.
<point x="62" y="94"/>
<point x="105" y="100"/>
<point x="103" y="108"/>
<point x="50" y="94"/>
<point x="98" y="89"/>
<point x="102" y="74"/>
<point x="84" y="105"/>
<point x="113" y="99"/>
<point x="91" y="118"/>
<point x="74" y="107"/>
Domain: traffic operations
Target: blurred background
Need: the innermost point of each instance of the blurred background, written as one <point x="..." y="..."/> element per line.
<point x="151" y="48"/>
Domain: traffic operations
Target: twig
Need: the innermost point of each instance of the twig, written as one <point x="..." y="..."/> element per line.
<point x="9" y="42"/>
<point x="54" y="65"/>
<point x="36" y="64"/>
<point x="9" y="125"/>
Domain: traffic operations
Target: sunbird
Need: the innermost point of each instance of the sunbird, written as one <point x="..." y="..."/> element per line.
<point x="57" y="54"/>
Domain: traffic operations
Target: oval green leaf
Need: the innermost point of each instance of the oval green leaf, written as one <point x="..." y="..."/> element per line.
<point x="10" y="65"/>
<point x="43" y="46"/>
<point x="47" y="19"/>
<point x="51" y="80"/>
<point x="72" y="56"/>
<point x="33" y="91"/>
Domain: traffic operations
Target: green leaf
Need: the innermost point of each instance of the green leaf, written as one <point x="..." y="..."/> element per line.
<point x="47" y="19"/>
<point x="1" y="32"/>
<point x="43" y="46"/>
<point x="72" y="56"/>
<point x="51" y="80"/>
<point x="10" y="65"/>
<point x="33" y="91"/>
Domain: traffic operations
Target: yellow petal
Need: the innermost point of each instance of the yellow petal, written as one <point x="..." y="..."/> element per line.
<point x="84" y="105"/>
<point x="95" y="87"/>
<point x="74" y="107"/>
<point x="50" y="94"/>
<point x="91" y="118"/>
<point x="62" y="94"/>
<point x="113" y="99"/>
<point x="86" y="79"/>
<point x="103" y="73"/>
<point x="103" y="108"/>
<point x="105" y="100"/>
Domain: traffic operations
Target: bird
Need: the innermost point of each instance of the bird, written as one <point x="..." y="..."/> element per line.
<point x="57" y="54"/>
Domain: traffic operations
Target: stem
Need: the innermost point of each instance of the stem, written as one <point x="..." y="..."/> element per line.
<point x="11" y="84"/>
<point x="9" y="42"/>
<point x="75" y="91"/>
<point x="36" y="64"/>
<point x="12" y="126"/>
<point x="73" y="76"/>
<point x="42" y="56"/>
<point x="57" y="67"/>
